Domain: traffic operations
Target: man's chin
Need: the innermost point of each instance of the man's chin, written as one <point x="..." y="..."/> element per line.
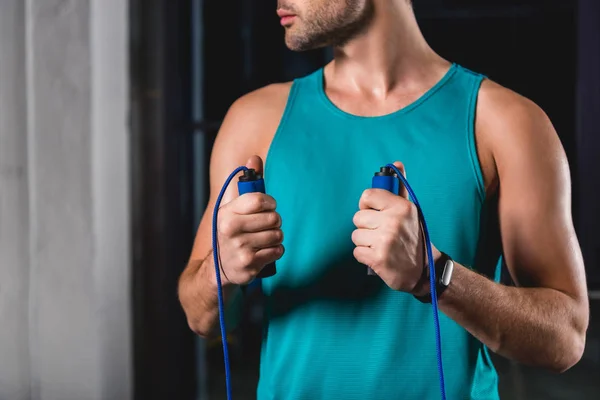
<point x="295" y="44"/>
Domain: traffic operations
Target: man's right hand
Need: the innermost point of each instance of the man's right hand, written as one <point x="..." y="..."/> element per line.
<point x="249" y="234"/>
<point x="248" y="227"/>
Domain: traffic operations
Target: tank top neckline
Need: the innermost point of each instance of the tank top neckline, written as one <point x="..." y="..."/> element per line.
<point x="320" y="83"/>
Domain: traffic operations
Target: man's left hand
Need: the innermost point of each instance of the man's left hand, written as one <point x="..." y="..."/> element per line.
<point x="388" y="238"/>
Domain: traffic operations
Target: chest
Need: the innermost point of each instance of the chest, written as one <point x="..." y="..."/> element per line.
<point x="317" y="173"/>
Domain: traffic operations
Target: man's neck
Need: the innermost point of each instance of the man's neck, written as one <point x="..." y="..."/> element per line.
<point x="390" y="54"/>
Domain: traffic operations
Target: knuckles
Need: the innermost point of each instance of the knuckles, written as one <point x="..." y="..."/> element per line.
<point x="278" y="235"/>
<point x="404" y="211"/>
<point x="354" y="234"/>
<point x="254" y="201"/>
<point x="357" y="254"/>
<point x="228" y="227"/>
<point x="356" y="220"/>
<point x="404" y="208"/>
<point x="367" y="195"/>
<point x="237" y="242"/>
<point x="245" y="258"/>
<point x="273" y="219"/>
<point x="279" y="250"/>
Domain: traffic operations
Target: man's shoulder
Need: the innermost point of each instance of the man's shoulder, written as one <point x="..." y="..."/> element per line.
<point x="508" y="126"/>
<point x="252" y="120"/>
<point x="503" y="111"/>
<point x="266" y="102"/>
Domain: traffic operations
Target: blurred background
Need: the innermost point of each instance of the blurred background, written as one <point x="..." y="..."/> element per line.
<point x="108" y="111"/>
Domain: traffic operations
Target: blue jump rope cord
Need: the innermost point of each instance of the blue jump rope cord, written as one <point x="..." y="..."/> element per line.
<point x="432" y="279"/>
<point x="218" y="273"/>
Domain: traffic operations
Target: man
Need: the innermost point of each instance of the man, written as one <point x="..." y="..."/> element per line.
<point x="471" y="149"/>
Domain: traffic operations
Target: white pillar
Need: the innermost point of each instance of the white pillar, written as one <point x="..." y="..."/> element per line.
<point x="111" y="186"/>
<point x="65" y="306"/>
<point x="14" y="225"/>
<point x="64" y="337"/>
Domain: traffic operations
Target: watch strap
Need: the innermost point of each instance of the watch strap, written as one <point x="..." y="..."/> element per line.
<point x="440" y="287"/>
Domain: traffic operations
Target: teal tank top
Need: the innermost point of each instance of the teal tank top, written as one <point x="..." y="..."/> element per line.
<point x="332" y="332"/>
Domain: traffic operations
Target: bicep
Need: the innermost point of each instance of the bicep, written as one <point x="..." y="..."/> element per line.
<point x="244" y="131"/>
<point x="538" y="237"/>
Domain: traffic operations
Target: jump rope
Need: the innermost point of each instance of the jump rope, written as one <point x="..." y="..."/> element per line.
<point x="387" y="179"/>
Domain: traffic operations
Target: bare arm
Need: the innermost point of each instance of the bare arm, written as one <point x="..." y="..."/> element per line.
<point x="198" y="296"/>
<point x="543" y="321"/>
<point x="246" y="131"/>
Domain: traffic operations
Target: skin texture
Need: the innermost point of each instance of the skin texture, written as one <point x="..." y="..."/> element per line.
<point x="383" y="63"/>
<point x="325" y="23"/>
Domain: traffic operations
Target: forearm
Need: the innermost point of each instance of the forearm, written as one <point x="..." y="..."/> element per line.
<point x="199" y="297"/>
<point x="535" y="326"/>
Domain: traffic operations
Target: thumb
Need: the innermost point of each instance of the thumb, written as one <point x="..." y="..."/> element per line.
<point x="403" y="191"/>
<point x="255" y="163"/>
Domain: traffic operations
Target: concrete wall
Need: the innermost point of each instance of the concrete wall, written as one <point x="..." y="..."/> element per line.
<point x="64" y="204"/>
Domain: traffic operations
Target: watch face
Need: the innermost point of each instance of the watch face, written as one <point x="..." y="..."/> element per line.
<point x="447" y="274"/>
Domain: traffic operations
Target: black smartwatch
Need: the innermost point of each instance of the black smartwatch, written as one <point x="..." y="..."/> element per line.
<point x="444" y="267"/>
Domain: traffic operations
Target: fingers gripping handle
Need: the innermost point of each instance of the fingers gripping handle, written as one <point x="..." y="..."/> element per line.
<point x="252" y="182"/>
<point x="385" y="179"/>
